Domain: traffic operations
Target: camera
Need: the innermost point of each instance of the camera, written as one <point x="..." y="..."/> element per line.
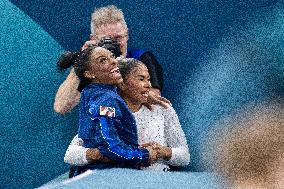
<point x="111" y="45"/>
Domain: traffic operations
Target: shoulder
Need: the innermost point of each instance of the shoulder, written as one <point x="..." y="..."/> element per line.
<point x="105" y="104"/>
<point x="146" y="56"/>
<point x="164" y="111"/>
<point x="105" y="97"/>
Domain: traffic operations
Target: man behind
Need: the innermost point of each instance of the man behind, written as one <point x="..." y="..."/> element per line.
<point x="107" y="22"/>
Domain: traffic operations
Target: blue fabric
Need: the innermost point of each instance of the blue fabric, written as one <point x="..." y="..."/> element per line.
<point x="115" y="135"/>
<point x="135" y="53"/>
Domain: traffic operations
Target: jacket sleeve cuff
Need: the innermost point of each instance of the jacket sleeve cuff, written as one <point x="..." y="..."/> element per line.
<point x="180" y="157"/>
<point x="145" y="155"/>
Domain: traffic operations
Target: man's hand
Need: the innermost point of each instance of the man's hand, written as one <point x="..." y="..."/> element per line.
<point x="157" y="92"/>
<point x="155" y="98"/>
<point x="88" y="44"/>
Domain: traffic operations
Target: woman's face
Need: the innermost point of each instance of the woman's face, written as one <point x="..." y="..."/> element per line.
<point x="104" y="67"/>
<point x="136" y="85"/>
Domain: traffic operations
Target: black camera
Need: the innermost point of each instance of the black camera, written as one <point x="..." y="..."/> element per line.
<point x="111" y="45"/>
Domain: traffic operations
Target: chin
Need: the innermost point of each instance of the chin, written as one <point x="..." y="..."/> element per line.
<point x="117" y="81"/>
<point x="143" y="100"/>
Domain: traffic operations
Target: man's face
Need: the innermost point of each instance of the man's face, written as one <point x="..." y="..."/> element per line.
<point x="117" y="32"/>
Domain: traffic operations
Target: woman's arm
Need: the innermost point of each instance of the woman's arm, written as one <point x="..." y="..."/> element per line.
<point x="67" y="96"/>
<point x="113" y="147"/>
<point x="175" y="139"/>
<point x="76" y="153"/>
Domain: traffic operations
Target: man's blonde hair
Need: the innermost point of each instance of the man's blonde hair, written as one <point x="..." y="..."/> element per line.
<point x="106" y="15"/>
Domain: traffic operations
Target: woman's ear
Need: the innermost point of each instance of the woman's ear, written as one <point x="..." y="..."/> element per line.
<point x="89" y="75"/>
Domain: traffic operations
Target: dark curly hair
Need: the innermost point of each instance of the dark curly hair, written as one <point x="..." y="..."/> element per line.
<point x="81" y="63"/>
<point x="126" y="65"/>
<point x="81" y="60"/>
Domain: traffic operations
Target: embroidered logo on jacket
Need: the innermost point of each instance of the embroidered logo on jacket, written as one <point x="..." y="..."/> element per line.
<point x="107" y="111"/>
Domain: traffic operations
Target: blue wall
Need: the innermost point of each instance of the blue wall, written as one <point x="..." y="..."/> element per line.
<point x="217" y="55"/>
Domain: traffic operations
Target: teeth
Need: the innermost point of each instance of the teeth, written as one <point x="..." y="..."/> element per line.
<point x="114" y="70"/>
<point x="146" y="94"/>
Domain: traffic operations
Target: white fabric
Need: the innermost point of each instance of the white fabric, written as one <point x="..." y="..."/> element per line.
<point x="76" y="153"/>
<point x="161" y="125"/>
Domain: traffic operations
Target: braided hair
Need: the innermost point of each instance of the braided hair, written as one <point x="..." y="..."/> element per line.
<point x="80" y="61"/>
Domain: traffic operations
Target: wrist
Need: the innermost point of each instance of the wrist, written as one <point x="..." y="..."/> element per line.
<point x="168" y="154"/>
<point x="93" y="154"/>
<point x="72" y="75"/>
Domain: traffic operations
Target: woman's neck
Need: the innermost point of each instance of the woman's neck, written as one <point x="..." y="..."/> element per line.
<point x="102" y="83"/>
<point x="133" y="105"/>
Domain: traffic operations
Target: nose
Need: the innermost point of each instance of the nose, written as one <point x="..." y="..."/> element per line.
<point x="148" y="84"/>
<point x="123" y="39"/>
<point x="114" y="62"/>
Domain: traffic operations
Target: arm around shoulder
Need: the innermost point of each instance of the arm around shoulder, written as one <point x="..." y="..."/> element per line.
<point x="67" y="96"/>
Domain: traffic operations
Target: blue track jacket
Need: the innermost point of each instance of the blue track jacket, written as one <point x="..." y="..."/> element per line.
<point x="107" y="123"/>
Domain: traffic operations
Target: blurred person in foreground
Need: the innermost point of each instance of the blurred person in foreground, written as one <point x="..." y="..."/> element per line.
<point x="247" y="149"/>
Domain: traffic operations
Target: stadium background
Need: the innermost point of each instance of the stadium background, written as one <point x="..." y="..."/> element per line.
<point x="218" y="56"/>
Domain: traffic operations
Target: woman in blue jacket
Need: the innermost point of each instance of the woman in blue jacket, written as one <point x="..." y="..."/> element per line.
<point x="106" y="123"/>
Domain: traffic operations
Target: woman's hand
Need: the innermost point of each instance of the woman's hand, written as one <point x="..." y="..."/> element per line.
<point x="93" y="154"/>
<point x="163" y="152"/>
<point x="153" y="155"/>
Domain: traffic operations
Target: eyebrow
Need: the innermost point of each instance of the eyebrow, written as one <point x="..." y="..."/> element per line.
<point x="143" y="76"/>
<point x="102" y="56"/>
